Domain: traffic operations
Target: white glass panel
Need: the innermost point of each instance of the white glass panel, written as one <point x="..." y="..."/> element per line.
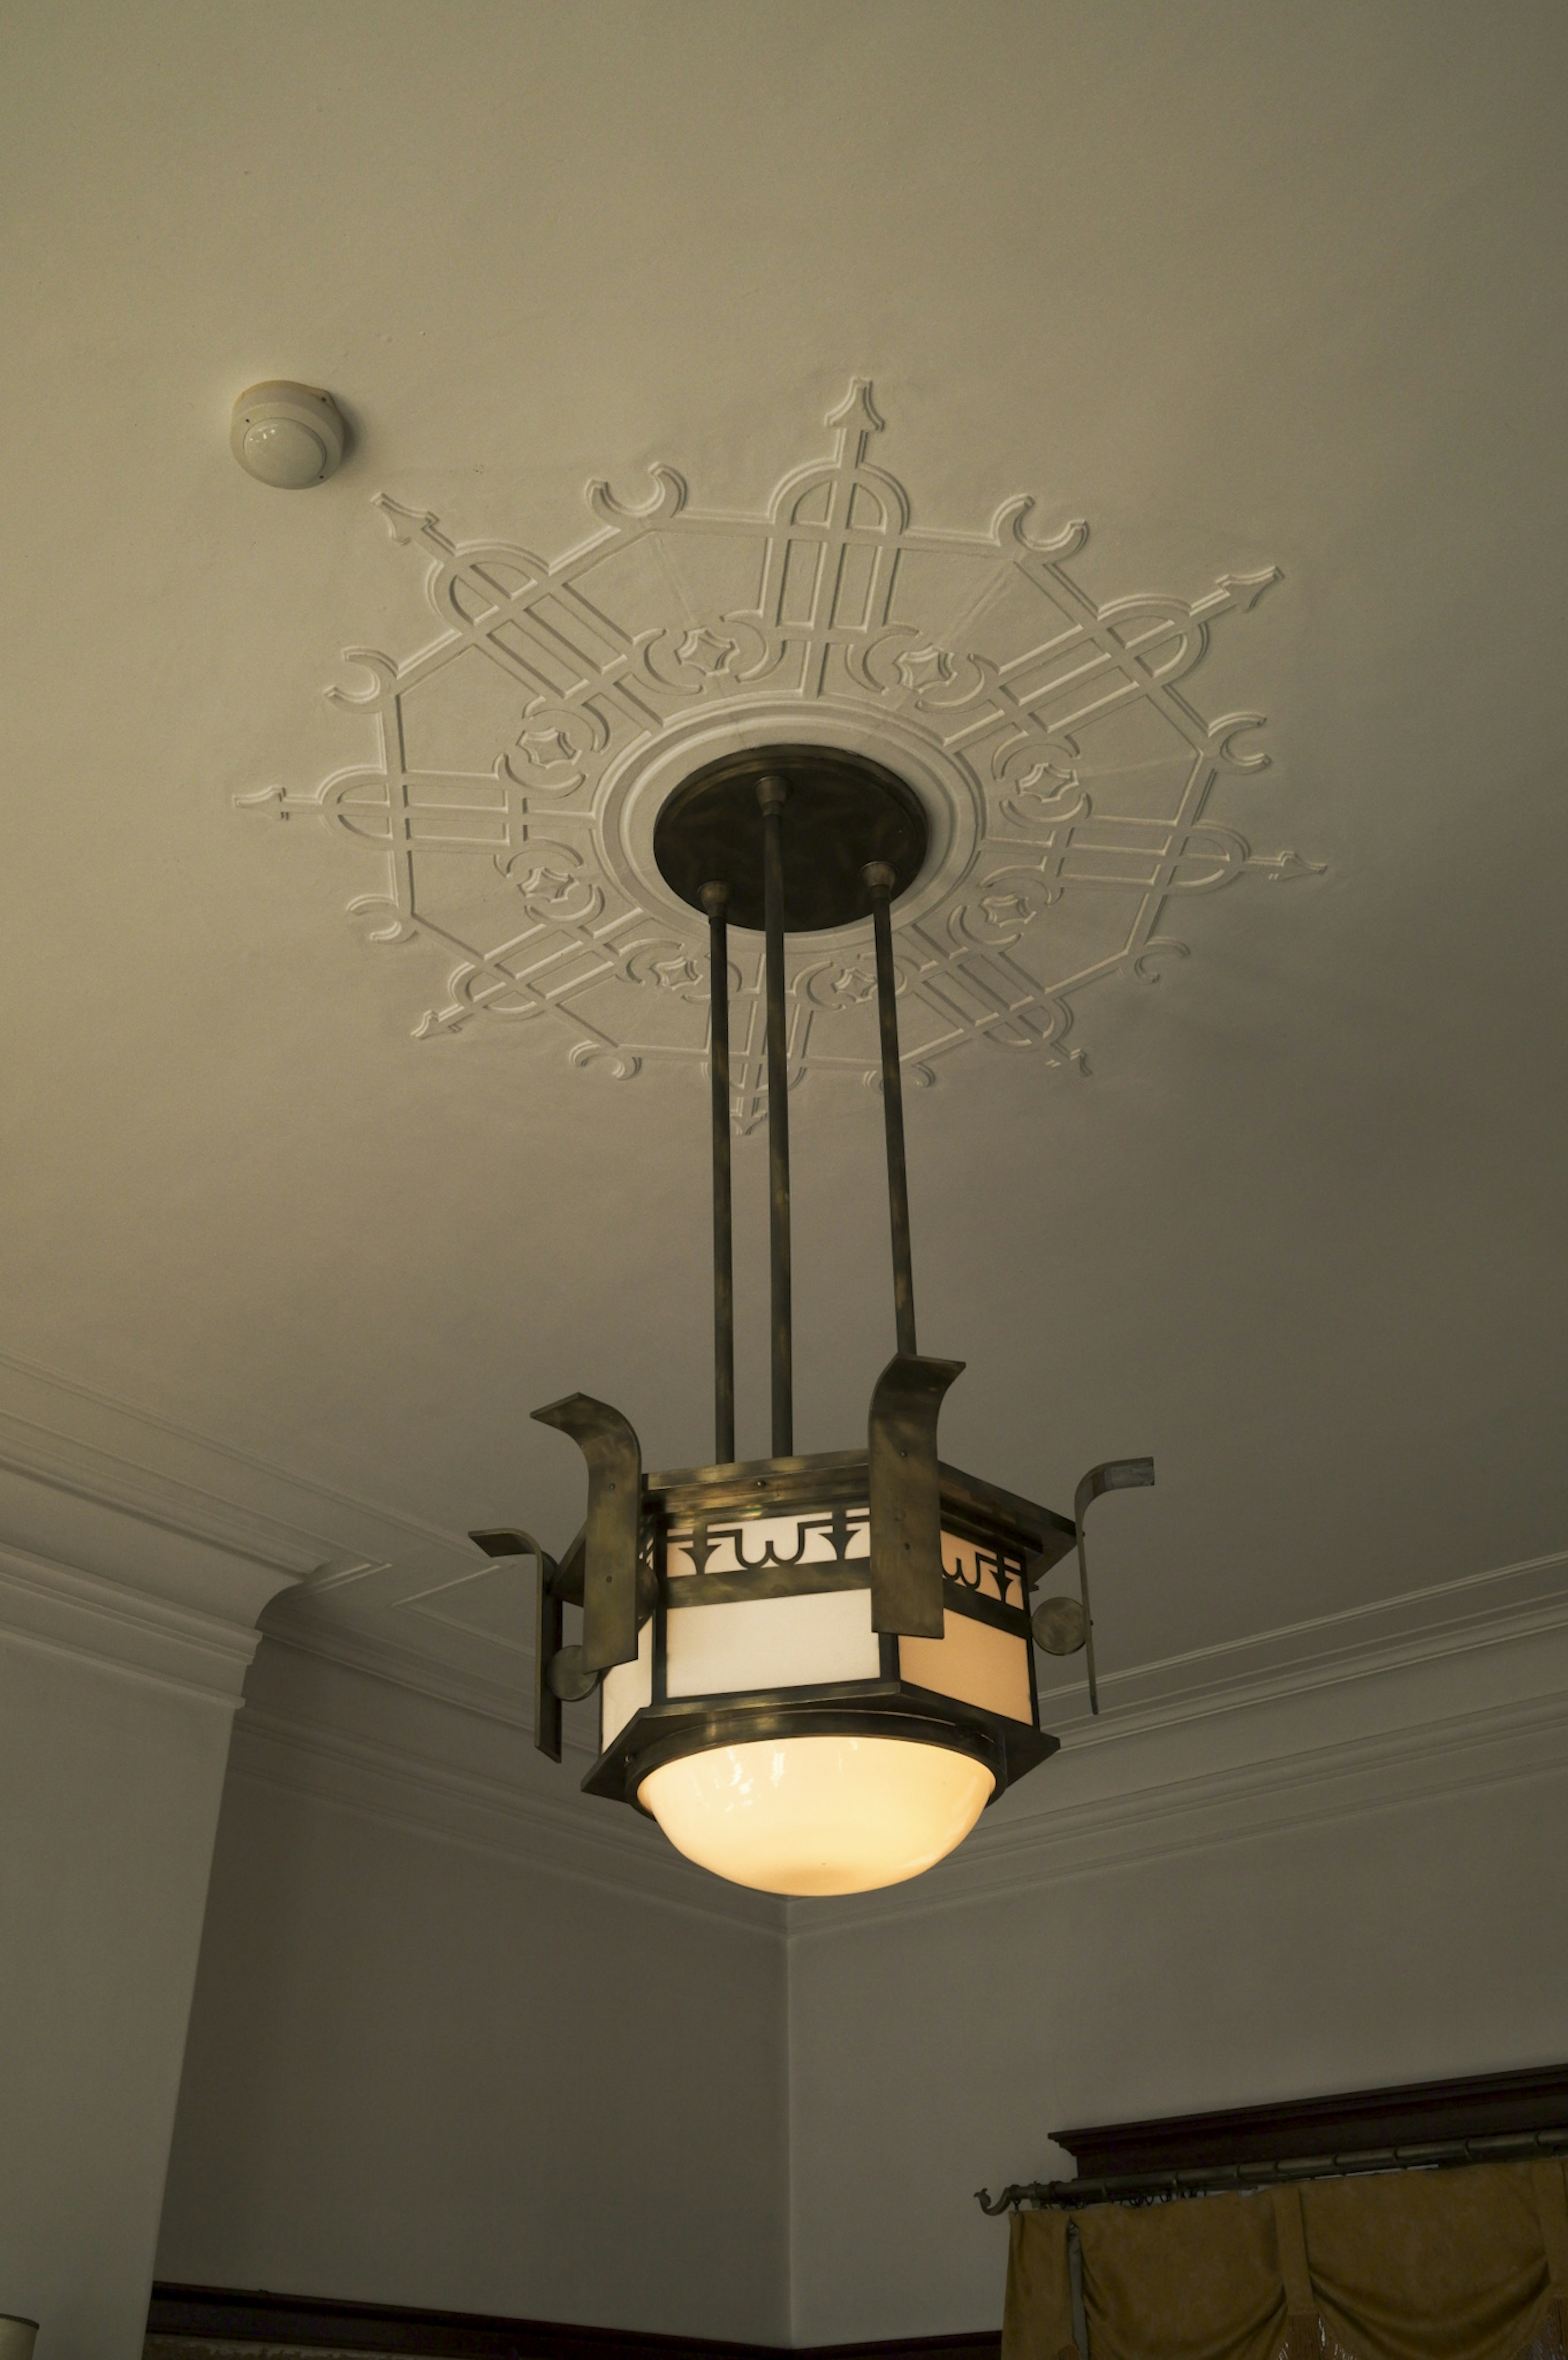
<point x="818" y="1814"/>
<point x="971" y="1661"/>
<point x="626" y="1688"/>
<point x="737" y="1542"/>
<point x="770" y="1643"/>
<point x="995" y="1572"/>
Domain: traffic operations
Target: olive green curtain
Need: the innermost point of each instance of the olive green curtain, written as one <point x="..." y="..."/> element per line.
<point x="1457" y="2264"/>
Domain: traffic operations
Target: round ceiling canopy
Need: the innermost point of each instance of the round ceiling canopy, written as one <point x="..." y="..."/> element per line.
<point x="841" y="811"/>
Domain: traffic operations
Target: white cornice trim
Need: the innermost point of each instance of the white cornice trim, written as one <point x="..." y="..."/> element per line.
<point x="61" y="1611"/>
<point x="103" y="1449"/>
<point x="1449" y="1620"/>
<point x="107" y="1481"/>
<point x="1461" y="1686"/>
<point x="574" y="1837"/>
<point x="359" y="1647"/>
<point x="1159" y="1800"/>
<point x="1351" y="1712"/>
<point x="1418" y="1627"/>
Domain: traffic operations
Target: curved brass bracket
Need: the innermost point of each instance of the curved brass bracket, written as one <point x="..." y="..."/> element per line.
<point x="608" y="1442"/>
<point x="547" y="1629"/>
<point x="1112" y="1475"/>
<point x="905" y="1495"/>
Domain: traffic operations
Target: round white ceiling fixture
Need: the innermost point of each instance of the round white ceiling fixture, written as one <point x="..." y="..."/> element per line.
<point x="286" y="435"/>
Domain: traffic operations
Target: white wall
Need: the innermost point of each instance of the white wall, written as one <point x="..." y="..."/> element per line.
<point x="932" y="2059"/>
<point x="464" y="2038"/>
<point x="128" y="1599"/>
<point x="427" y="2067"/>
<point x="112" y="1793"/>
<point x="1347" y="1876"/>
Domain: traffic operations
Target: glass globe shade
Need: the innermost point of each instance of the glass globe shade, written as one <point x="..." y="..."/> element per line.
<point x="818" y="1814"/>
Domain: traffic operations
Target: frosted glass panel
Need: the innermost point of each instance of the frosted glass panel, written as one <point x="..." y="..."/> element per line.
<point x="974" y="1662"/>
<point x="734" y="1545"/>
<point x="626" y="1688"/>
<point x="770" y="1643"/>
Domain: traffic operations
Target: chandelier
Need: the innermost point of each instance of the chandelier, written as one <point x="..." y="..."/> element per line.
<point x="814" y="1672"/>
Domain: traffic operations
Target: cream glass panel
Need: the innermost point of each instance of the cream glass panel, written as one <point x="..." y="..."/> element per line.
<point x="818" y="1814"/>
<point x="752" y="1538"/>
<point x="626" y="1688"/>
<point x="771" y="1642"/>
<point x="974" y="1662"/>
<point x="994" y="1573"/>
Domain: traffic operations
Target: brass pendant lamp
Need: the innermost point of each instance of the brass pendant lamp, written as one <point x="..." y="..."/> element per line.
<point x="814" y="1672"/>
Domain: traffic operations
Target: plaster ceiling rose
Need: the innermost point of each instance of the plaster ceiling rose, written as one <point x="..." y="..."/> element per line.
<point x="1065" y="773"/>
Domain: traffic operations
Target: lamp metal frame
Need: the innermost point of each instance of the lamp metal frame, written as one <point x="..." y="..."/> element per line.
<point x="726" y="844"/>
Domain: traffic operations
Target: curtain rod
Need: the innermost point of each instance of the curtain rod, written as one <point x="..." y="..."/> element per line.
<point x="1217" y="2178"/>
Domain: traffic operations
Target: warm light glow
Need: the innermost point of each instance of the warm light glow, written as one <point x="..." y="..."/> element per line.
<point x="974" y="1661"/>
<point x="818" y="1814"/>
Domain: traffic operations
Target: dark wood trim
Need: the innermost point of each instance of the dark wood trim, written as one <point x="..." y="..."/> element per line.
<point x="1486" y="2105"/>
<point x="239" y="2317"/>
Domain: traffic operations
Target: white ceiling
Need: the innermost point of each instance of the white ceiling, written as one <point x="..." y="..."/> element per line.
<point x="1244" y="286"/>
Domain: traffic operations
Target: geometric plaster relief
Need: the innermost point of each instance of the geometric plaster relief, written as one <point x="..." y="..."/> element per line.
<point x="519" y="760"/>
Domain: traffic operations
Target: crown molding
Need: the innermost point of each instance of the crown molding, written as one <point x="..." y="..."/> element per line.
<point x="1443" y="1620"/>
<point x="90" y="1442"/>
<point x="133" y="1541"/>
<point x="360" y="1646"/>
<point x="1165" y="1800"/>
<point x="571" y="1836"/>
<point x="85" y="1472"/>
<point x="1461" y="1685"/>
<point x="59" y="1610"/>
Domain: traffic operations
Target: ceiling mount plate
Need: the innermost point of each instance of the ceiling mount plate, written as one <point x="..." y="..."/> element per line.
<point x="842" y="810"/>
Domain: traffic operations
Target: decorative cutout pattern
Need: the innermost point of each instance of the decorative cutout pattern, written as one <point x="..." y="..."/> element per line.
<point x="502" y="804"/>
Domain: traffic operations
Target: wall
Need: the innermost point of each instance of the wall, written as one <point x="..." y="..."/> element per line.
<point x="104" y="1866"/>
<point x="466" y="2039"/>
<point x="1258" y="1879"/>
<point x="128" y="1600"/>
<point x="463" y="2040"/>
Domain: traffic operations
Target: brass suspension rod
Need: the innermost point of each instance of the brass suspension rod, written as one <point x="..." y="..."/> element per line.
<point x="717" y="902"/>
<point x="770" y="794"/>
<point x="880" y="879"/>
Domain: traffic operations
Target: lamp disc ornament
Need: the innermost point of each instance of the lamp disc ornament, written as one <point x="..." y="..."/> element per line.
<point x="814" y="1672"/>
<point x="843" y="811"/>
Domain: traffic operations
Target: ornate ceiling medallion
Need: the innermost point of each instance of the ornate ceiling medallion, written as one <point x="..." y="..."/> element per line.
<point x="521" y="759"/>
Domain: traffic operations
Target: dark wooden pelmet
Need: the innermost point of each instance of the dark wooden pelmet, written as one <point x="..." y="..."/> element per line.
<point x="1488" y="2118"/>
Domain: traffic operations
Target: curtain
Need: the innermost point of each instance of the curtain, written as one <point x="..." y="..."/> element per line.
<point x="1470" y="2264"/>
